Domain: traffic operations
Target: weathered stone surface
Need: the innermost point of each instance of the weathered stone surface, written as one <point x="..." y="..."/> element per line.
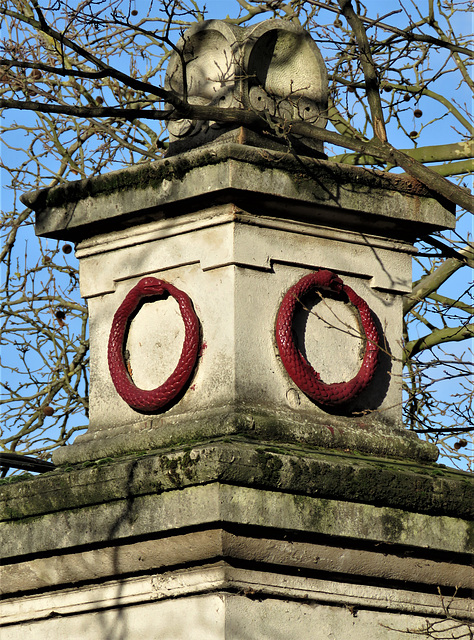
<point x="235" y="228"/>
<point x="202" y="537"/>
<point x="364" y="435"/>
<point x="283" y="218"/>
<point x="227" y="267"/>
<point x="401" y="486"/>
<point x="223" y="602"/>
<point x="237" y="544"/>
<point x="259" y="181"/>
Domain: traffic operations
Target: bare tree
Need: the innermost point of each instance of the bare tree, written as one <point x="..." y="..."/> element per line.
<point x="446" y="628"/>
<point x="82" y="92"/>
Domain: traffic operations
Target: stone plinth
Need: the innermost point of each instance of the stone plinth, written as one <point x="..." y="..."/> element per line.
<point x="235" y="227"/>
<point x="228" y="540"/>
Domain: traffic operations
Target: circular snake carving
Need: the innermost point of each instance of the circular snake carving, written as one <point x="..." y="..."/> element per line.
<point x="299" y="369"/>
<point x="151" y="400"/>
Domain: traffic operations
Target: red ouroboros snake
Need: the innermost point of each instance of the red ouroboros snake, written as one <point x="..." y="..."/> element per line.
<point x="299" y="369"/>
<point x="154" y="399"/>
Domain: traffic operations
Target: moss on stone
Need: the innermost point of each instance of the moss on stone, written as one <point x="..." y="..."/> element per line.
<point x="393" y="525"/>
<point x="315" y="513"/>
<point x="188" y="463"/>
<point x="295" y="469"/>
<point x="269" y="467"/>
<point x="316" y="172"/>
<point x="19" y="478"/>
<point x="146" y="176"/>
<point x="171" y="469"/>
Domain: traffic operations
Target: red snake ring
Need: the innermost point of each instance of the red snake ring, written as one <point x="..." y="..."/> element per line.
<point x="299" y="369"/>
<point x="154" y="399"/>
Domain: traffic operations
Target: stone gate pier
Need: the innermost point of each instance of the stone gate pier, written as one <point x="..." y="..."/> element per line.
<point x="245" y="473"/>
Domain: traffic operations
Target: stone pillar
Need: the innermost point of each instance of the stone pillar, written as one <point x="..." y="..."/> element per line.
<point x="210" y="469"/>
<point x="215" y="223"/>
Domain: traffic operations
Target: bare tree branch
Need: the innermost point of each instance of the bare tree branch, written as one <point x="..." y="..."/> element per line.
<point x="370" y="73"/>
<point x="404" y="34"/>
<point x="384" y="151"/>
<point x="437" y="337"/>
<point x="434" y="280"/>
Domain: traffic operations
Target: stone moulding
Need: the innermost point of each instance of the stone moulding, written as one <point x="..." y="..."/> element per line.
<point x="213" y="591"/>
<point x="319" y="191"/>
<point x="367" y="435"/>
<point x="242" y="519"/>
<point x="406" y="485"/>
<point x="339" y="539"/>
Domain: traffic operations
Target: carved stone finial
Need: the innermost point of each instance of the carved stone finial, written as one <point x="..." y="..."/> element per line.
<point x="272" y="68"/>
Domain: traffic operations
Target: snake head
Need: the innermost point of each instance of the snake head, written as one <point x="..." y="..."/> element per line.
<point x="151" y="286"/>
<point x="330" y="280"/>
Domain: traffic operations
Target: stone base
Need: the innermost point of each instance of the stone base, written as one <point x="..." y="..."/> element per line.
<point x="236" y="540"/>
<point x="364" y="434"/>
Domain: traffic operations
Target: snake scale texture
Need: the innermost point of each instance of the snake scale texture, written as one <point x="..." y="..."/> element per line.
<point x="147" y="401"/>
<point x="299" y="369"/>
